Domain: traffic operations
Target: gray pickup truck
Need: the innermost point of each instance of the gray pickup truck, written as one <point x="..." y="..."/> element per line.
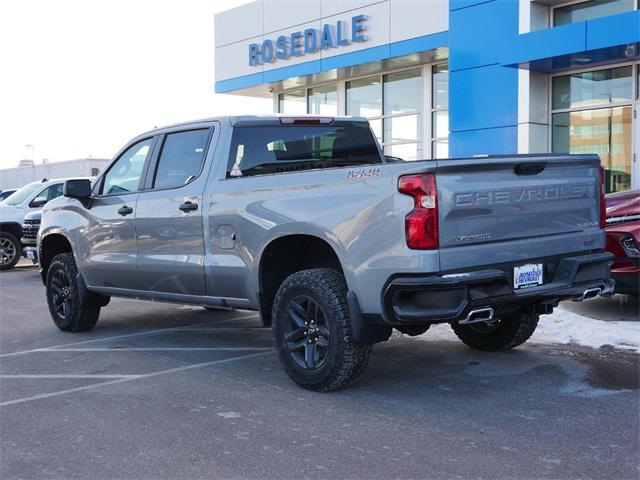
<point x="306" y="221"/>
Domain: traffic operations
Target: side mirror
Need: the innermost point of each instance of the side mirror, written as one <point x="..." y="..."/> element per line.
<point x="38" y="202"/>
<point x="80" y="188"/>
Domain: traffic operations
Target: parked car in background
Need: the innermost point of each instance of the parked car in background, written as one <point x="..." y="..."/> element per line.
<point x="6" y="193"/>
<point x="30" y="228"/>
<point x="623" y="240"/>
<point x="304" y="220"/>
<point x="31" y="197"/>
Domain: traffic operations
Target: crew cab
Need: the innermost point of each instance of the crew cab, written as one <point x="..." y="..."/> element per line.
<point x="306" y="221"/>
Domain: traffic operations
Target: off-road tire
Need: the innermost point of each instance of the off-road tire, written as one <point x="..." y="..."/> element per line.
<point x="345" y="360"/>
<point x="7" y="237"/>
<point x="78" y="318"/>
<point x="508" y="333"/>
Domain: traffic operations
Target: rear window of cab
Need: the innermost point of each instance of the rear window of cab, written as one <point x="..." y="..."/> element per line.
<point x="281" y="149"/>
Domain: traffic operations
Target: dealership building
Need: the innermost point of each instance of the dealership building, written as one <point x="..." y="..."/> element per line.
<point x="450" y="78"/>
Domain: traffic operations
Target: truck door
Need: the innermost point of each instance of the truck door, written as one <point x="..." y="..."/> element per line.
<point x="109" y="253"/>
<point x="169" y="230"/>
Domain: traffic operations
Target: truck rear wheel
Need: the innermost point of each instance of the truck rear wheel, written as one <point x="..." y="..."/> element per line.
<point x="64" y="299"/>
<point x="313" y="333"/>
<point x="503" y="334"/>
<point x="9" y="251"/>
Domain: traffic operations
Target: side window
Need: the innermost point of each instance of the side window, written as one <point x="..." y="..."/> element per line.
<point x="49" y="193"/>
<point x="181" y="158"/>
<point x="54" y="191"/>
<point x="124" y="175"/>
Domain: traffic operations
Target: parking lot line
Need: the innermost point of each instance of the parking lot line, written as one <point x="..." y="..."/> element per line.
<point x="129" y="335"/>
<point x="138" y="377"/>
<point x="65" y="376"/>
<point x="161" y="349"/>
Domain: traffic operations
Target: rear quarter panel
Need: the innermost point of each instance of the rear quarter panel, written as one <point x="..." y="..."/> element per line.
<point x="361" y="218"/>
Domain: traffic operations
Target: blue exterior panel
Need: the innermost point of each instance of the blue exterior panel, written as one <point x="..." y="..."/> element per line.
<point x="595" y="42"/>
<point x="614" y="30"/>
<point x="477" y="34"/>
<point x="544" y="44"/>
<point x="484" y="97"/>
<point x="490" y="141"/>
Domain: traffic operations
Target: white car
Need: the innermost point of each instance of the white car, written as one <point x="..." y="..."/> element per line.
<point x="30" y="198"/>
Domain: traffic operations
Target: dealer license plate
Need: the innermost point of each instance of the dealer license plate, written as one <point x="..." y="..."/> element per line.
<point x="529" y="275"/>
<point x="30" y="254"/>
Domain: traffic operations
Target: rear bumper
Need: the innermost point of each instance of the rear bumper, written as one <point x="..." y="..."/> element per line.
<point x="450" y="297"/>
<point x="627" y="282"/>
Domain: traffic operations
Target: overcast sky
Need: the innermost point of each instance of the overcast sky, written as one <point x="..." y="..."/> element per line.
<point x="82" y="77"/>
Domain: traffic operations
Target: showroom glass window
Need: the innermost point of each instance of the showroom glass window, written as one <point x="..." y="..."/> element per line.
<point x="317" y="101"/>
<point x="393" y="105"/>
<point x="440" y="111"/>
<point x="592" y="112"/>
<point x="181" y="158"/>
<point x="581" y="11"/>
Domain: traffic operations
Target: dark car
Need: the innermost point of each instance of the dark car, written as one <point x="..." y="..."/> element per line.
<point x="623" y="240"/>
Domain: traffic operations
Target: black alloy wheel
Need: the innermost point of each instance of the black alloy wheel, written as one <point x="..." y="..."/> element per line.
<point x="61" y="294"/>
<point x="307" y="335"/>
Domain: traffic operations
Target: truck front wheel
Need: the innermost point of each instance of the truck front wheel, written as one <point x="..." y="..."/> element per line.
<point x="63" y="296"/>
<point x="502" y="334"/>
<point x="313" y="332"/>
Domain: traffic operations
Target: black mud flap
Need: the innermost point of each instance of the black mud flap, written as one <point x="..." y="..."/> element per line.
<point x="87" y="298"/>
<point x="364" y="332"/>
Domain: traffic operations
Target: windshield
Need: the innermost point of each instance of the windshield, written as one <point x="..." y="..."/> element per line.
<point x="22" y="194"/>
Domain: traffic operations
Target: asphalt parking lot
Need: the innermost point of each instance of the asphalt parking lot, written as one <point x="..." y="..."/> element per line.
<point x="164" y="391"/>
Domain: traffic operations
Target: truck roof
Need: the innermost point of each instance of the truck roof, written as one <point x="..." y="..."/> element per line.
<point x="265" y="120"/>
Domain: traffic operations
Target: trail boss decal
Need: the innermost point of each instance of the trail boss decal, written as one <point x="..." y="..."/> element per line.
<point x="358" y="173"/>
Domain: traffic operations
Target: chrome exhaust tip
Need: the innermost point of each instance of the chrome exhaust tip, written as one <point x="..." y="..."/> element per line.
<point x="477" y="316"/>
<point x="588" y="294"/>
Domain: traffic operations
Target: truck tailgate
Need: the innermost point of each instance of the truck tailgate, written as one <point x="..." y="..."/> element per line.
<point x="508" y="202"/>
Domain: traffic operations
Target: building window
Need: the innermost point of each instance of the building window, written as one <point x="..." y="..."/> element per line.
<point x="592" y="113"/>
<point x="588" y="10"/>
<point x="293" y="102"/>
<point x="317" y="101"/>
<point x="364" y="99"/>
<point x="95" y="171"/>
<point x="393" y="105"/>
<point x="440" y="111"/>
<point x="323" y="100"/>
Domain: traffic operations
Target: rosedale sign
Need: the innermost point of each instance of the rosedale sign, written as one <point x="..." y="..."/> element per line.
<point x="308" y="41"/>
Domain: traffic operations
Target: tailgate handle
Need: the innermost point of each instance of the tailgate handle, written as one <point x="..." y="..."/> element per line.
<point x="529" y="168"/>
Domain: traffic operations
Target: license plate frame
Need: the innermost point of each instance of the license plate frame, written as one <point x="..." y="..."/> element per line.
<point x="528" y="275"/>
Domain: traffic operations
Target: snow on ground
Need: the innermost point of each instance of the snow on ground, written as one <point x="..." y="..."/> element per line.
<point x="564" y="327"/>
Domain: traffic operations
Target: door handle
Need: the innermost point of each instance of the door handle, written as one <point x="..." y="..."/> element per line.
<point x="188" y="206"/>
<point x="124" y="211"/>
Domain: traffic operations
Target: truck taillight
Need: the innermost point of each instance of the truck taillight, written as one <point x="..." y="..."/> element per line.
<point x="603" y="201"/>
<point x="421" y="225"/>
